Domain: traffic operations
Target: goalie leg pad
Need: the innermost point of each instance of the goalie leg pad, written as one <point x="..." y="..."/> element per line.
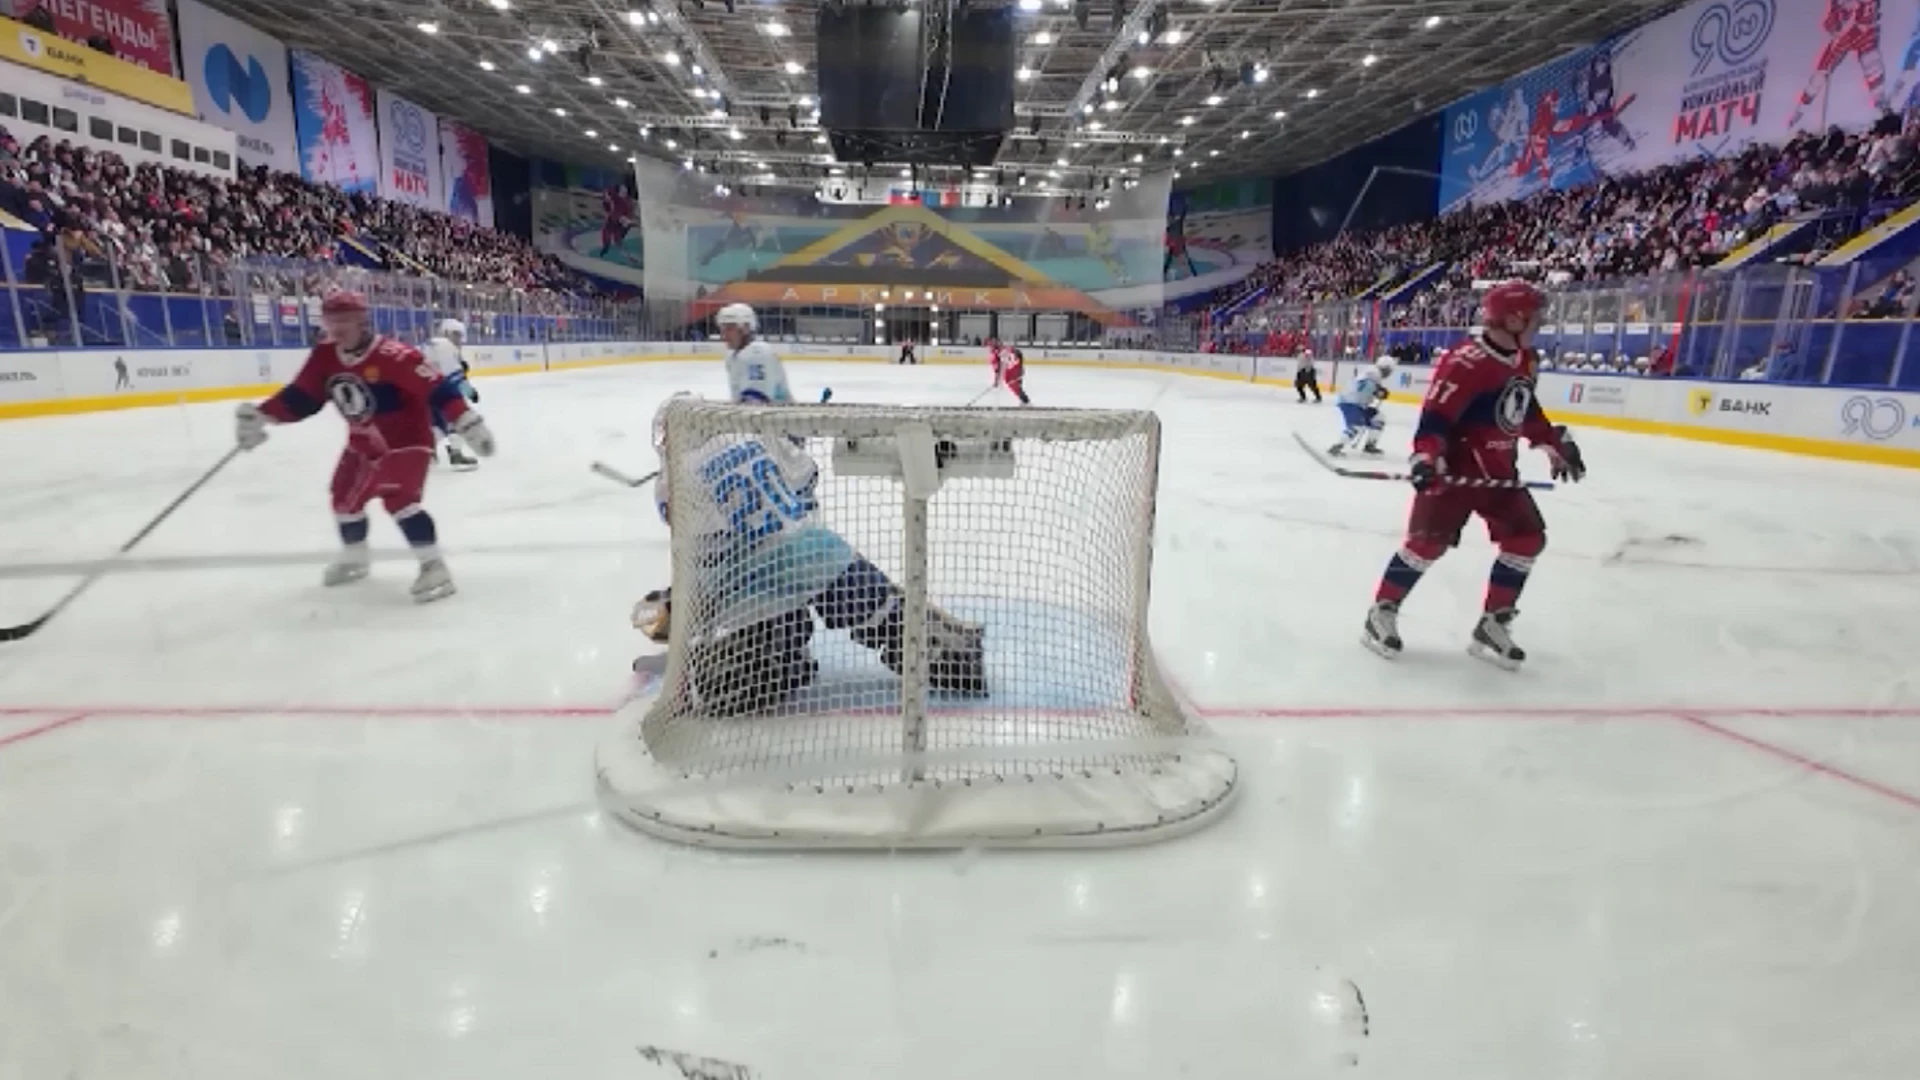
<point x="865" y="602"/>
<point x="756" y="668"/>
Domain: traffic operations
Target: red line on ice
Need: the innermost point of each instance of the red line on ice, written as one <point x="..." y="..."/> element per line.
<point x="1694" y="719"/>
<point x="41" y="729"/>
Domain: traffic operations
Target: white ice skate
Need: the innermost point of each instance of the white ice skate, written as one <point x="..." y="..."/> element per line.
<point x="1382" y="630"/>
<point x="1493" y="643"/>
<point x="434" y="582"/>
<point x="353" y="565"/>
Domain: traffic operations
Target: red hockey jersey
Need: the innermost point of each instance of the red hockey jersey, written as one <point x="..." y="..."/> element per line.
<point x="387" y="395"/>
<point x="1480" y="405"/>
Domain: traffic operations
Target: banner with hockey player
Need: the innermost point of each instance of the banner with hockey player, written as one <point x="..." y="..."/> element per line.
<point x="463" y="164"/>
<point x="1704" y="81"/>
<point x="410" y="153"/>
<point x="587" y="218"/>
<point x="1216" y="234"/>
<point x="1098" y="251"/>
<point x="137" y="31"/>
<point x="239" y="80"/>
<point x="333" y="118"/>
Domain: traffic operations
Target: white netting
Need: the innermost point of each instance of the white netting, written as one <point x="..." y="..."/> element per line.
<point x="999" y="558"/>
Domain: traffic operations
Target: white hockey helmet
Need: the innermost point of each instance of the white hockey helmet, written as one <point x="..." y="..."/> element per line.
<point x="738" y="315"/>
<point x="450" y="327"/>
<point x="1385" y="364"/>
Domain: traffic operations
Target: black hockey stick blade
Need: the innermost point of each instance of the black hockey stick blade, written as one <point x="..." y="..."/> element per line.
<point x="1364" y="473"/>
<point x="619" y="477"/>
<point x="15" y="633"/>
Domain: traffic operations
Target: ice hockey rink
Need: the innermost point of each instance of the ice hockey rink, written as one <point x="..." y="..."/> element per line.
<point x="253" y="828"/>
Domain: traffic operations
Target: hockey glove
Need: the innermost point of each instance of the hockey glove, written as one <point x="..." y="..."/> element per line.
<point x="1423" y="472"/>
<point x="250" y="425"/>
<point x="1563" y="457"/>
<point x="474" y="429"/>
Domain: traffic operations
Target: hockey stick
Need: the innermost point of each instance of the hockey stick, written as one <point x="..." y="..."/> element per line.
<point x="1385" y="474"/>
<point x="15" y="633"/>
<point x="619" y="477"/>
<point x="980" y="395"/>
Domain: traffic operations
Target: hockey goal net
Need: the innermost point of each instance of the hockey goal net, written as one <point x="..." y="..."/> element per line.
<point x="911" y="627"/>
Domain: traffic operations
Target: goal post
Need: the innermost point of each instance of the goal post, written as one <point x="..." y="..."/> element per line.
<point x="911" y="627"/>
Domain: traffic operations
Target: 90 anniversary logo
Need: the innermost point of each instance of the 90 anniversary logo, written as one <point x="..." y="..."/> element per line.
<point x="1878" y="419"/>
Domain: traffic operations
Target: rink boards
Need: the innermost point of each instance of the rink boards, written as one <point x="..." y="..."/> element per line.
<point x="1870" y="425"/>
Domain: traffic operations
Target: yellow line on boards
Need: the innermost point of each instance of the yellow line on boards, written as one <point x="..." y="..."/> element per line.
<point x="1787" y="444"/>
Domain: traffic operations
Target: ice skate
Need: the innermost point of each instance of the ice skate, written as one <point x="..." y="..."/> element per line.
<point x="1493" y="643"/>
<point x="434" y="583"/>
<point x="1371" y="449"/>
<point x="1337" y="449"/>
<point x="457" y="455"/>
<point x="352" y="565"/>
<point x="1382" y="630"/>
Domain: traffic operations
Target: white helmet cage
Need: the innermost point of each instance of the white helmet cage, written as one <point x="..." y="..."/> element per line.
<point x="738" y="315"/>
<point x="450" y="327"/>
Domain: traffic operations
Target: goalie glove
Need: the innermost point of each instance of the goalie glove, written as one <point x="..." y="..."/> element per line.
<point x="1564" y="461"/>
<point x="653" y="615"/>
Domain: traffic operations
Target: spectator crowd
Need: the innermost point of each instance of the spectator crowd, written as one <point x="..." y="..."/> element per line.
<point x="151" y="228"/>
<point x="1675" y="218"/>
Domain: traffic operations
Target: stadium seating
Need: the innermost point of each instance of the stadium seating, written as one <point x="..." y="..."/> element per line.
<point x="154" y="229"/>
<point x="1676" y="218"/>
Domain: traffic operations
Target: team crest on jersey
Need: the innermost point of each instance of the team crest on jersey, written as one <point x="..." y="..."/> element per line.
<point x="371" y="372"/>
<point x="1516" y="400"/>
<point x="351" y="396"/>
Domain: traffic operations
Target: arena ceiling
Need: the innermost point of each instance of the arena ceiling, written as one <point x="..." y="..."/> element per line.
<point x="1237" y="87"/>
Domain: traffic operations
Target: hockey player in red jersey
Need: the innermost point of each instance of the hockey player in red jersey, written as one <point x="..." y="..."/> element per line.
<point x="1013" y="369"/>
<point x="1854" y="26"/>
<point x="386" y="392"/>
<point x="1480" y="405"/>
<point x="995" y="358"/>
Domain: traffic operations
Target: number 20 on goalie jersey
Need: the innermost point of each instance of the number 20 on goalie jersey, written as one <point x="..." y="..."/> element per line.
<point x="749" y="489"/>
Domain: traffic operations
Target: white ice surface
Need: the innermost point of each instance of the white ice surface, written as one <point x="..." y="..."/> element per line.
<point x="307" y="834"/>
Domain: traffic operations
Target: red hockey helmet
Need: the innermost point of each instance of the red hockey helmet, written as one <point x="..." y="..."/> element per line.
<point x="343" y="302"/>
<point x="1512" y="299"/>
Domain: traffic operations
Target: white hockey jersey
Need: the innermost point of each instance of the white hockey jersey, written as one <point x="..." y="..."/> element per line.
<point x="1366" y="390"/>
<point x="444" y="354"/>
<point x="760" y="549"/>
<point x="756" y="376"/>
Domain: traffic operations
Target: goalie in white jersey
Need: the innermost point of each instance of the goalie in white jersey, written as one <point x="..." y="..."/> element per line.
<point x="764" y="567"/>
<point x="1360" y="409"/>
<point x="443" y="351"/>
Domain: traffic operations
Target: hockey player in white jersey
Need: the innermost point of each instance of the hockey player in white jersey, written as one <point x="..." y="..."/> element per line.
<point x="443" y="351"/>
<point x="1360" y="409"/>
<point x="754" y="374"/>
<point x="766" y="567"/>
